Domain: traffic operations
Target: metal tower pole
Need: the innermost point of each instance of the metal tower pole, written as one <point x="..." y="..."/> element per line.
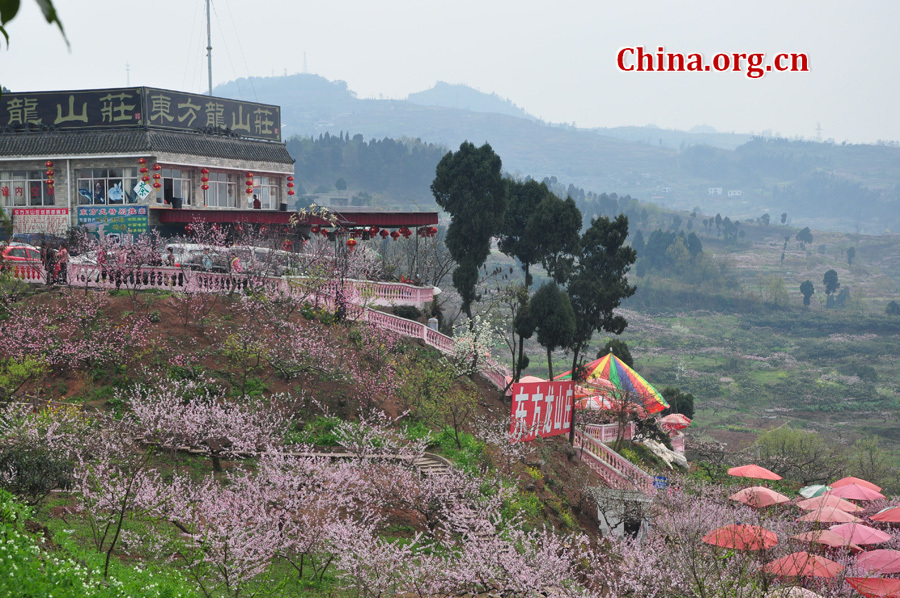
<point x="209" y="46"/>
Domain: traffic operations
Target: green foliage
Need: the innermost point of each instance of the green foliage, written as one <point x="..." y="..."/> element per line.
<point x="806" y="287"/>
<point x="515" y="238"/>
<point x="804" y="236"/>
<point x="9" y="9"/>
<point x="468" y="456"/>
<point x="16" y="373"/>
<point x="830" y="280"/>
<point x="317" y="432"/>
<point x="552" y="311"/>
<point x="526" y="505"/>
<point x="679" y="402"/>
<point x="469" y="186"/>
<point x="798" y="455"/>
<point x="33" y="472"/>
<point x="410" y="312"/>
<point x="619" y="348"/>
<point x="892" y="309"/>
<point x="599" y="282"/>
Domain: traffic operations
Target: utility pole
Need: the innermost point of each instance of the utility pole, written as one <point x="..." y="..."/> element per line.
<point x="209" y="46"/>
<point x="127" y="75"/>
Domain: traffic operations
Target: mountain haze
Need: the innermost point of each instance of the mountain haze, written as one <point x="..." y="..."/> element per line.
<point x="823" y="185"/>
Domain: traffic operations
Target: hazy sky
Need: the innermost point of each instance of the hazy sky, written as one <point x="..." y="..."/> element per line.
<point x="557" y="60"/>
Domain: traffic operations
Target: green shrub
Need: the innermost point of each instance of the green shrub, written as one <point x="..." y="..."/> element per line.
<point x="410" y="312"/>
<point x="35" y="472"/>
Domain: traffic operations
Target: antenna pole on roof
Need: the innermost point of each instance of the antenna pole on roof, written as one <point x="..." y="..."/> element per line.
<point x="209" y="46"/>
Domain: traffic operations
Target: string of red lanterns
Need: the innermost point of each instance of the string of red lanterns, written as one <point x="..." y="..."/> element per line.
<point x="142" y="168"/>
<point x="290" y="185"/>
<point x="50" y="181"/>
<point x="157" y="176"/>
<point x="204" y="179"/>
<point x="249" y="188"/>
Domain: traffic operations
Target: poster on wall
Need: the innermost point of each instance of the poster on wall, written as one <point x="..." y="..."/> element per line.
<point x="115" y="219"/>
<point x="541" y="409"/>
<point x="50" y="221"/>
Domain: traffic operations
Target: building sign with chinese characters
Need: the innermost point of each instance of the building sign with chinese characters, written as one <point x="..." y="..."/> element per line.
<point x="137" y="107"/>
<point x="52" y="221"/>
<point x="115" y="219"/>
<point x="541" y="409"/>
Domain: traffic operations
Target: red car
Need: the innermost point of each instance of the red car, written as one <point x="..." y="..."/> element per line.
<point x="18" y="255"/>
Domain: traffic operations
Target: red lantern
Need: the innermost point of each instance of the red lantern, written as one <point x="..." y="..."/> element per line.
<point x="395" y="235"/>
<point x="249" y="175"/>
<point x="324" y="232"/>
<point x="314" y="229"/>
<point x="145" y="178"/>
<point x="351" y="242"/>
<point x="204" y="171"/>
<point x="50" y="182"/>
<point x="290" y="192"/>
<point x="373" y="230"/>
<point x="204" y="187"/>
<point x="50" y="173"/>
<point x="48" y="164"/>
<point x="248" y="191"/>
<point x="383" y="233"/>
<point x="432" y="230"/>
<point x="290" y="185"/>
<point x="290" y="178"/>
<point x="157" y="167"/>
<point x="142" y="160"/>
<point x="144" y="170"/>
<point x="157" y="176"/>
<point x="157" y="185"/>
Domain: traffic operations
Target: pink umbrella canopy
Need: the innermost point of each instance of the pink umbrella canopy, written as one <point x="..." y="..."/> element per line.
<point x="804" y="564"/>
<point x="856" y="492"/>
<point x="880" y="561"/>
<point x="759" y="497"/>
<point x="826" y="537"/>
<point x="891" y="515"/>
<point x="742" y="537"/>
<point x="858" y="533"/>
<point x="675" y="421"/>
<point x="875" y="587"/>
<point x="753" y="471"/>
<point x="851" y="480"/>
<point x="829" y="515"/>
<point x="827" y="500"/>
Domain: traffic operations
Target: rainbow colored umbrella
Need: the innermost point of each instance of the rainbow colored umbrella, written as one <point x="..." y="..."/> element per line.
<point x="614" y="370"/>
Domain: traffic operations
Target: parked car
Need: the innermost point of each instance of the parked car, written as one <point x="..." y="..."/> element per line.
<point x="19" y="254"/>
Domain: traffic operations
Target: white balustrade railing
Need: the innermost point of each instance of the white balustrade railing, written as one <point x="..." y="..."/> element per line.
<point x="616" y="470"/>
<point x="356" y="292"/>
<point x="609" y="432"/>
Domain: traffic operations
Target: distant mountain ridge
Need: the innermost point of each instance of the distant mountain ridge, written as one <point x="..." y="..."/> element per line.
<point x="732" y="174"/>
<point x="462" y="97"/>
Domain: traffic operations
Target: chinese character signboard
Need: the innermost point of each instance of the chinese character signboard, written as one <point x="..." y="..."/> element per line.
<point x="51" y="221"/>
<point x="137" y="107"/>
<point x="541" y="409"/>
<point x="115" y="219"/>
<point x="142" y="190"/>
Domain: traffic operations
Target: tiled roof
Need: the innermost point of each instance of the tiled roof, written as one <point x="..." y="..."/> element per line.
<point x="129" y="141"/>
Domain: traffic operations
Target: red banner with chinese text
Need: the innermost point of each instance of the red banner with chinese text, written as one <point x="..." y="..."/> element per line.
<point x="541" y="409"/>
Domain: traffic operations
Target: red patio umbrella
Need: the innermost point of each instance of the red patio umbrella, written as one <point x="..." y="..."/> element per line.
<point x="851" y="480"/>
<point x="826" y="537"/>
<point x="829" y="515"/>
<point x="891" y="515"/>
<point x="675" y="421"/>
<point x="753" y="471"/>
<point x="804" y="564"/>
<point x="875" y="587"/>
<point x="861" y="534"/>
<point x="759" y="497"/>
<point x="741" y="537"/>
<point x="882" y="561"/>
<point x="827" y="500"/>
<point x="856" y="492"/>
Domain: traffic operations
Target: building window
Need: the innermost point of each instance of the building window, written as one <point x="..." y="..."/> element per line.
<point x="266" y="188"/>
<point x="177" y="183"/>
<point x="106" y="185"/>
<point x="222" y="190"/>
<point x="25" y="188"/>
